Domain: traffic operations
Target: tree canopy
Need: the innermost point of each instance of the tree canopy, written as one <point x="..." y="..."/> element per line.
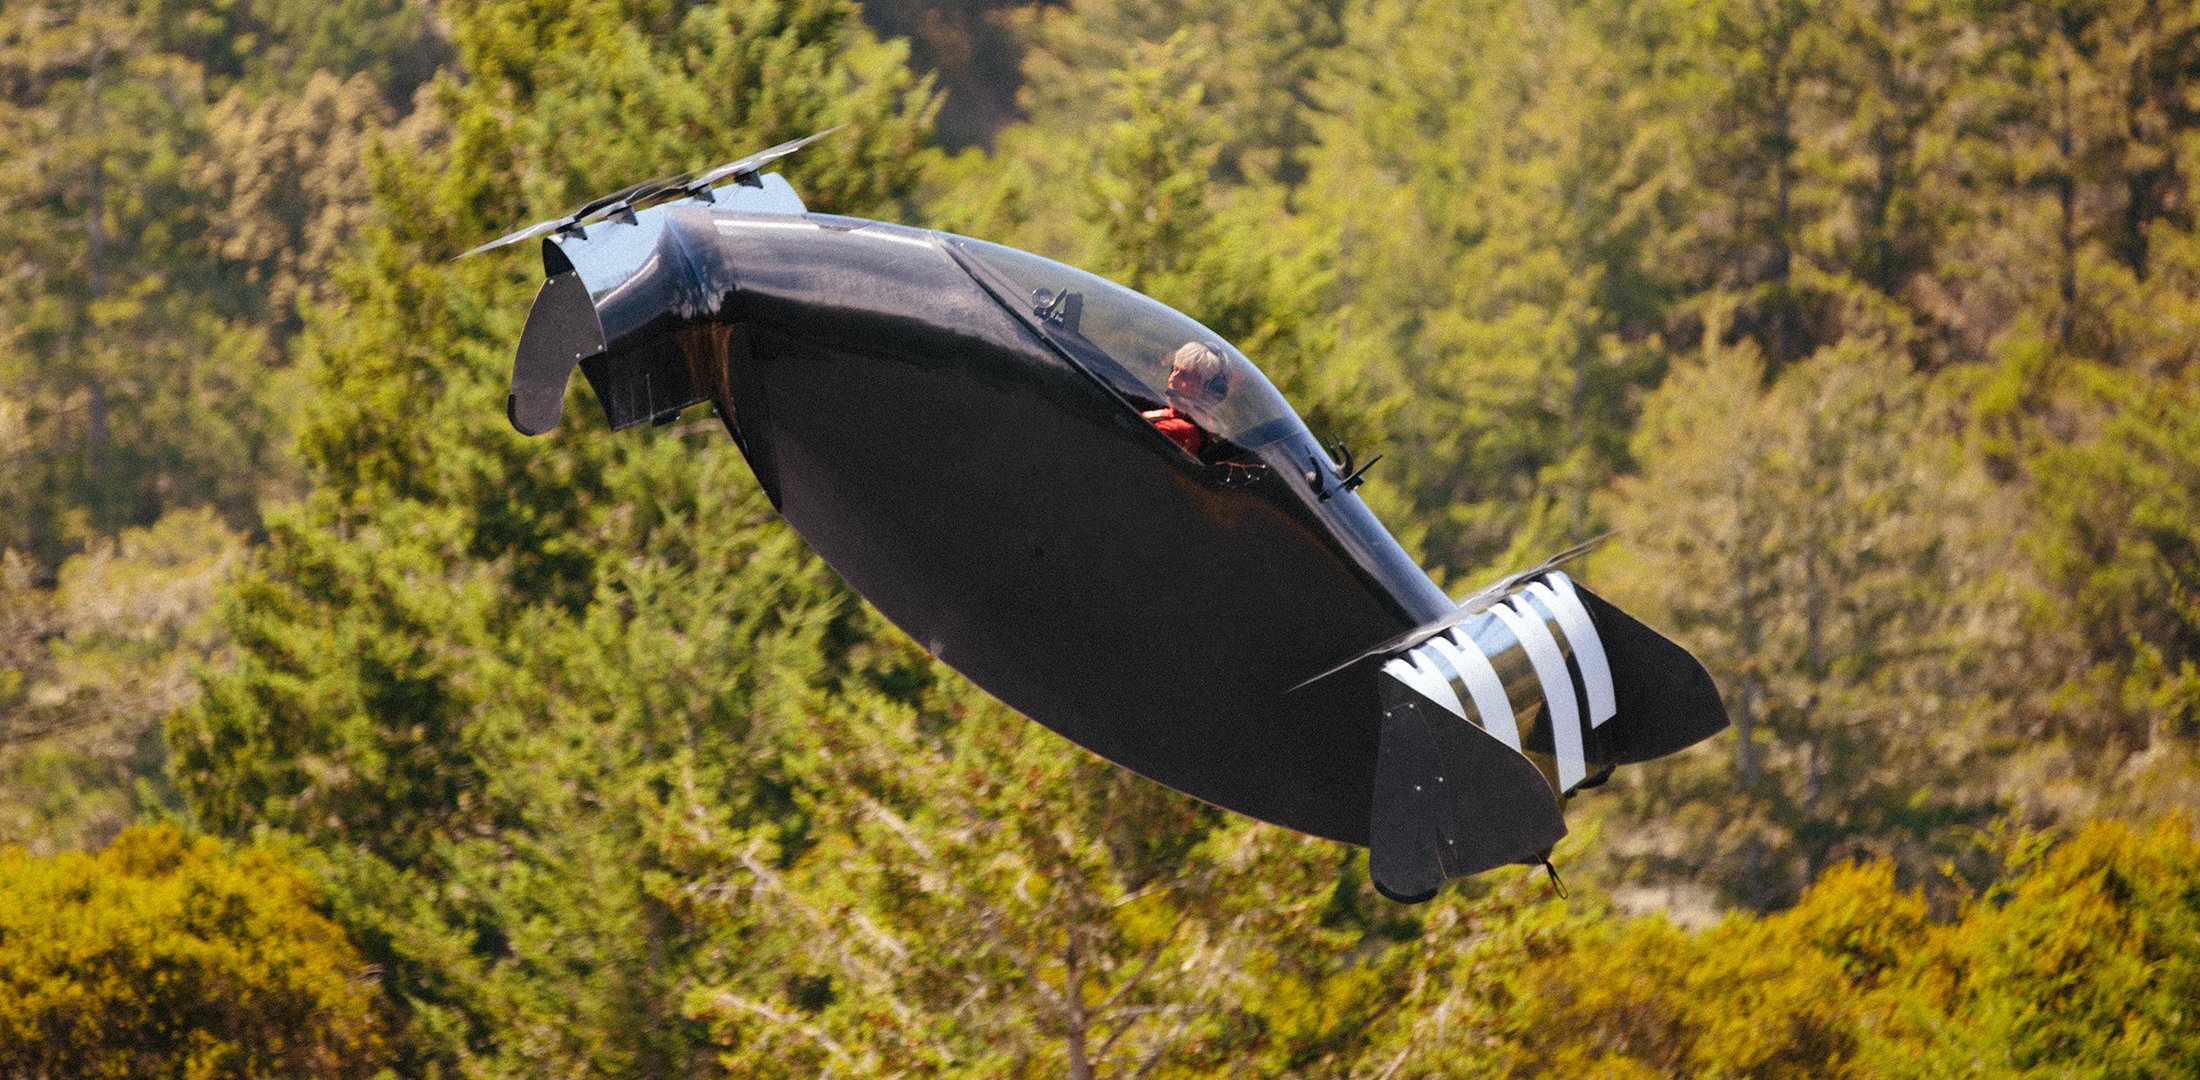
<point x="1865" y="327"/>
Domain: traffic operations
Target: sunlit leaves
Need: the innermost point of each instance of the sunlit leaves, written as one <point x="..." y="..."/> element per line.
<point x="164" y="955"/>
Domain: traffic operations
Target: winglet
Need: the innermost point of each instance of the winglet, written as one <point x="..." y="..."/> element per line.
<point x="1489" y="727"/>
<point x="561" y="331"/>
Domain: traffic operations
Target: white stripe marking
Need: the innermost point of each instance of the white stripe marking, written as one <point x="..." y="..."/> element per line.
<point x="1435" y="675"/>
<point x="1437" y="662"/>
<point x="1581" y="633"/>
<point x="1484" y="686"/>
<point x="1558" y="690"/>
<point x="1431" y="660"/>
<point x="1425" y="684"/>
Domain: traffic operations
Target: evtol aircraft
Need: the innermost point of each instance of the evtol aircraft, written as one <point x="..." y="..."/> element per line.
<point x="1100" y="512"/>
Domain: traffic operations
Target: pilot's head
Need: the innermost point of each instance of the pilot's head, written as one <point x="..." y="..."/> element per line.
<point x="1199" y="377"/>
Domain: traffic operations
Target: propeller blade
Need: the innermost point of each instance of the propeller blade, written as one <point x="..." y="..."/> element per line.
<point x="753" y="163"/>
<point x="518" y="235"/>
<point x="641" y="196"/>
<point x="603" y="202"/>
<point x="577" y="217"/>
<point x="623" y="202"/>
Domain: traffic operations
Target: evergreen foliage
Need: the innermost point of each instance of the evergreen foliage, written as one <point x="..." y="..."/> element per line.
<point x="1822" y="556"/>
<point x="449" y="675"/>
<point x="1867" y="325"/>
<point x="1487" y="223"/>
<point x="93" y="666"/>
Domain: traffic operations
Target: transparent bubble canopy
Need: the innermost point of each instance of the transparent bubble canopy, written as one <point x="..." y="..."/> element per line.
<point x="1126" y="340"/>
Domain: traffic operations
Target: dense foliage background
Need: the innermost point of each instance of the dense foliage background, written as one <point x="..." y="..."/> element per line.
<point x="1870" y="327"/>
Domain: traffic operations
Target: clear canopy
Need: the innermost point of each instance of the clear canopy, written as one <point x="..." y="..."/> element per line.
<point x="1127" y="340"/>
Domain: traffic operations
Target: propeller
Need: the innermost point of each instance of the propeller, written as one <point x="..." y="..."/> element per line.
<point x="621" y="204"/>
<point x="590" y="210"/>
<point x="528" y="233"/>
<point x="745" y="170"/>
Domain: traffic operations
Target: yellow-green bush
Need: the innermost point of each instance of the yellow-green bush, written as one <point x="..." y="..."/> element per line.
<point x="161" y="956"/>
<point x="2082" y="959"/>
<point x="1643" y="997"/>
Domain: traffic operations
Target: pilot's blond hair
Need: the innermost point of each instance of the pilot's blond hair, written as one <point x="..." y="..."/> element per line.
<point x="1206" y="364"/>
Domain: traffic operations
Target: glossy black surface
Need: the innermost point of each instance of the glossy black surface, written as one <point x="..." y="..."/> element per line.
<point x="956" y="428"/>
<point x="1017" y="517"/>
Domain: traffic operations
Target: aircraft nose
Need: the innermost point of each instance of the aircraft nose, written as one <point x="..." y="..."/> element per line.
<point x="619" y="301"/>
<point x="631" y="295"/>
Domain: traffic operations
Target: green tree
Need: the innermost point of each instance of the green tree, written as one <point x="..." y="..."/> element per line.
<point x="2070" y="128"/>
<point x="268" y="49"/>
<point x="1818" y="546"/>
<point x="162" y="955"/>
<point x="1749" y="66"/>
<point x="1256" y="64"/>
<point x="479" y="674"/>
<point x="2120" y="551"/>
<point x="93" y="666"/>
<point x="287" y="188"/>
<point x="1485" y="180"/>
<point x="164" y="240"/>
<point x="2084" y="957"/>
<point x="2078" y="955"/>
<point x="982" y="897"/>
<point x="1810" y="189"/>
<point x="1643" y="998"/>
<point x="136" y="392"/>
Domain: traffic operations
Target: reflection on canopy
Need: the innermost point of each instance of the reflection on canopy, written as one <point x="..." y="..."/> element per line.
<point x="1125" y="339"/>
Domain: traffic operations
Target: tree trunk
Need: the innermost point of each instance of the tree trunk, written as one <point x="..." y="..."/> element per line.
<point x="2066" y="196"/>
<point x="1074" y="1019"/>
<point x="1747" y="636"/>
<point x="95" y="275"/>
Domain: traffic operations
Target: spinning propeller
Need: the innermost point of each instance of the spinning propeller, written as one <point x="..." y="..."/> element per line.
<point x="620" y="205"/>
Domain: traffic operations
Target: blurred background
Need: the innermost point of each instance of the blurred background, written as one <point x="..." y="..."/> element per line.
<point x="345" y="732"/>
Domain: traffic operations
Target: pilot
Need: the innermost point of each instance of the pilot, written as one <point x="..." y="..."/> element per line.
<point x="1199" y="377"/>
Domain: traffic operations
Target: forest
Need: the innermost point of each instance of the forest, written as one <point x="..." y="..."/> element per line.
<point x="344" y="732"/>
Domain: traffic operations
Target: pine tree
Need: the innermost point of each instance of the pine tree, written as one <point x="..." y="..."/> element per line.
<point x="1255" y="62"/>
<point x="1485" y="178"/>
<point x="136" y="392"/>
<point x="2116" y="540"/>
<point x="1812" y="541"/>
<point x="94" y="667"/>
<point x="287" y="189"/>
<point x="476" y="673"/>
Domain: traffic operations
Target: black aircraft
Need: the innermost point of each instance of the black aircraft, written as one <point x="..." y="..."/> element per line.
<point x="1103" y="514"/>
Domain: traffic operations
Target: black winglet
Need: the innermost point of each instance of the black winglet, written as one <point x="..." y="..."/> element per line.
<point x="562" y="328"/>
<point x="1450" y="800"/>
